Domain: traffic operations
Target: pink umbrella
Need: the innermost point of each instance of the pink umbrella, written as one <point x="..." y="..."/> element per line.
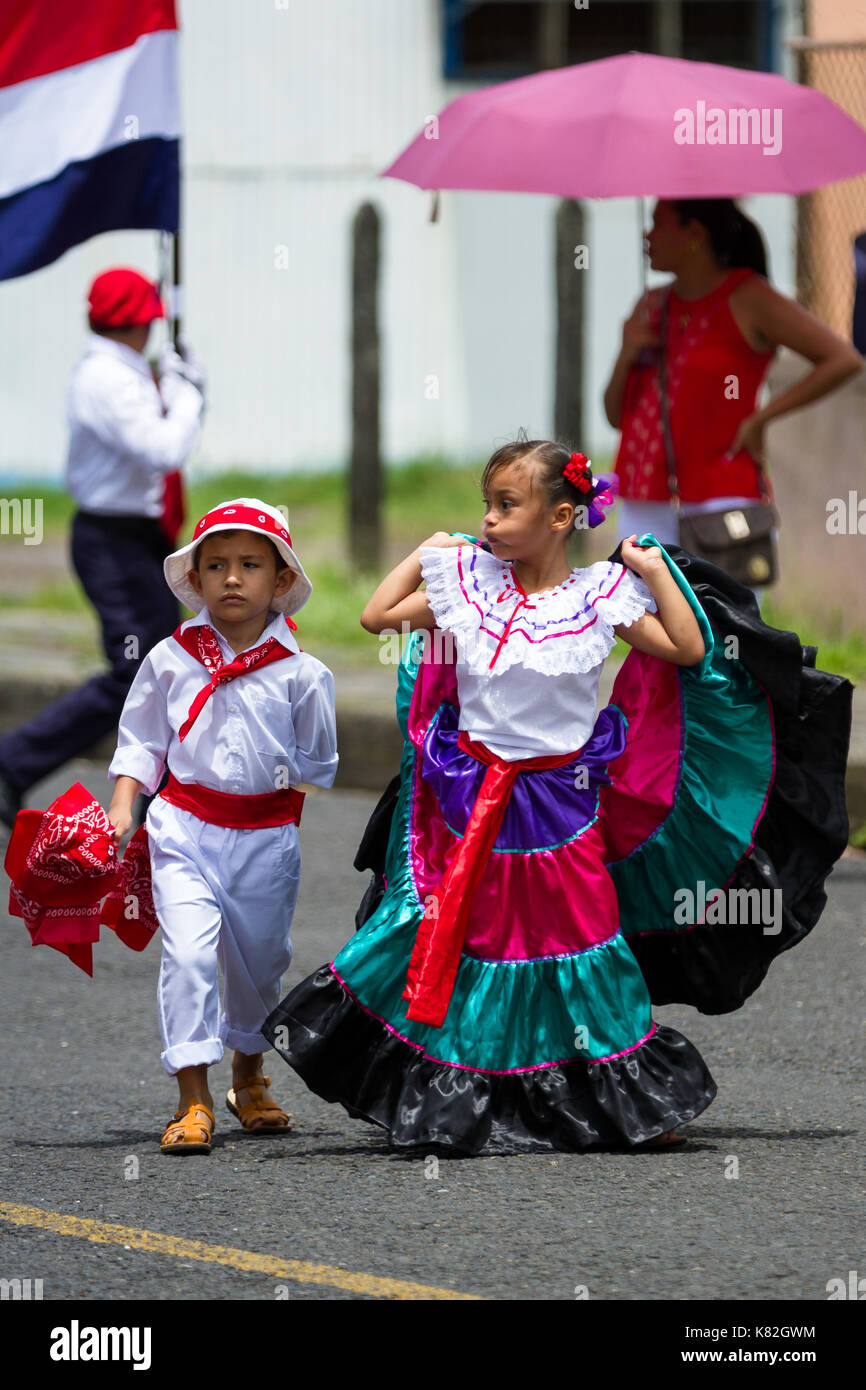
<point x="638" y="125"/>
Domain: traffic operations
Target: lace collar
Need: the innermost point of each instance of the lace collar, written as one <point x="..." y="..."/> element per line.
<point x="497" y="625"/>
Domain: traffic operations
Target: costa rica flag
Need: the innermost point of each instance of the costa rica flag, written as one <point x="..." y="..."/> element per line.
<point x="89" y="124"/>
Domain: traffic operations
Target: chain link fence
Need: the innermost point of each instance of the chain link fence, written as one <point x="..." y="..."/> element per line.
<point x="829" y="219"/>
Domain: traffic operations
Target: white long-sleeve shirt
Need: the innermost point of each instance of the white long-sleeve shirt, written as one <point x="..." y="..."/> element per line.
<point x="120" y="443"/>
<point x="271" y="727"/>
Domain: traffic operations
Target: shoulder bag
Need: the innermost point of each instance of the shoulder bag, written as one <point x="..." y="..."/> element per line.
<point x="739" y="540"/>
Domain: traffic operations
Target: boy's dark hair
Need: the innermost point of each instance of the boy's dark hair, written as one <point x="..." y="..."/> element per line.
<point x="280" y="562"/>
<point x="550" y="459"/>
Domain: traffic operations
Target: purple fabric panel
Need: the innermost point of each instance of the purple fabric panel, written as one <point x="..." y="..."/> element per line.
<point x="545" y="807"/>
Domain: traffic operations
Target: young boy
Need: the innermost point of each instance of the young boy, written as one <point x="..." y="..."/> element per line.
<point x="243" y="719"/>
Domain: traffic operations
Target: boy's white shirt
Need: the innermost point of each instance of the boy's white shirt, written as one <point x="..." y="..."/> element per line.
<point x="272" y="727"/>
<point x="121" y="444"/>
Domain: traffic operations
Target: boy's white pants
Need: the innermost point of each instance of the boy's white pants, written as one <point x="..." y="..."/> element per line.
<point x="223" y="897"/>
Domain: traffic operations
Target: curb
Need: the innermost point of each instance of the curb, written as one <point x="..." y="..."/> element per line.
<point x="369" y="741"/>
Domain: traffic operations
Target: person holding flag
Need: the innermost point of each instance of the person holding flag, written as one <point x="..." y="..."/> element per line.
<point x="129" y="436"/>
<point x="74" y="163"/>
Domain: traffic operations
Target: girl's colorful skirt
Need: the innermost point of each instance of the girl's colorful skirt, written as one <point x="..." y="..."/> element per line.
<point x="670" y="860"/>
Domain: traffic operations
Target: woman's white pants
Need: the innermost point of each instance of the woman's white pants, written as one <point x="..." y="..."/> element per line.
<point x="660" y="519"/>
<point x="224" y="899"/>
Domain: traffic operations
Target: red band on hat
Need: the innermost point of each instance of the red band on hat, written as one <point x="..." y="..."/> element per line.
<point x="241" y="516"/>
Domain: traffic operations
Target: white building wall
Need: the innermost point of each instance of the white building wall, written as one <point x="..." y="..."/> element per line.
<point x="289" y="116"/>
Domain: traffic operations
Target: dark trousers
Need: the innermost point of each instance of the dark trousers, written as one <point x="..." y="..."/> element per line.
<point x="119" y="562"/>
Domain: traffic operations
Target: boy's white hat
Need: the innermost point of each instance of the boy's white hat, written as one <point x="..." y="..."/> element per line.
<point x="241" y="514"/>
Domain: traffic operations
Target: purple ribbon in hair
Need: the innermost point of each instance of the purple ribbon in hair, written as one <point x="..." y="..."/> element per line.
<point x="605" y="490"/>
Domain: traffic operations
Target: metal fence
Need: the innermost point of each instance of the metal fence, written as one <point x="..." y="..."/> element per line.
<point x="829" y="219"/>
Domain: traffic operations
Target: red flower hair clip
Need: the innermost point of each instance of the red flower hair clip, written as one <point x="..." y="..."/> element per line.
<point x="577" y="472"/>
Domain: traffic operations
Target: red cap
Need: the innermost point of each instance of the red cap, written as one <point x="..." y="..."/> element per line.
<point x="122" y="298"/>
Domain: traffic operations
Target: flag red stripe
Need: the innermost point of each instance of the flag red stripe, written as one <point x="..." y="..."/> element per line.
<point x="41" y="36"/>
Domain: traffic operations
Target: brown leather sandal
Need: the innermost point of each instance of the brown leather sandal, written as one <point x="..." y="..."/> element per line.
<point x="669" y="1140"/>
<point x="196" y="1133"/>
<point x="274" y="1120"/>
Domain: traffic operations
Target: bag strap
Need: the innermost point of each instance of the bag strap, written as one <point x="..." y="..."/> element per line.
<point x="673" y="483"/>
<point x="763" y="484"/>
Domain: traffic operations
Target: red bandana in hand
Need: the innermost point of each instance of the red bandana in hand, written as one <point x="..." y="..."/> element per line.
<point x="129" y="909"/>
<point x="201" y="642"/>
<point x="61" y="862"/>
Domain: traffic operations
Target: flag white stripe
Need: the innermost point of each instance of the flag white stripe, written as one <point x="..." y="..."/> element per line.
<point x="48" y="122"/>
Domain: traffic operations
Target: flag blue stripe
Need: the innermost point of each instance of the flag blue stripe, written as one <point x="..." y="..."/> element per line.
<point x="136" y="185"/>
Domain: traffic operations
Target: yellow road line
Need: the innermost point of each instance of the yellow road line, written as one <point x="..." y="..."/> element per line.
<point x="301" y="1271"/>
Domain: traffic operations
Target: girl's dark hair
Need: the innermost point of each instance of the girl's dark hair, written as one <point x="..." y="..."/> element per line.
<point x="736" y="240"/>
<point x="550" y="459"/>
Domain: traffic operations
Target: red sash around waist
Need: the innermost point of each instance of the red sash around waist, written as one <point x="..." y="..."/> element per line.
<point x="234" y="810"/>
<point x="436" y="954"/>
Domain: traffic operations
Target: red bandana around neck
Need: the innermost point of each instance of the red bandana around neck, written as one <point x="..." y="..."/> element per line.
<point x="201" y="641"/>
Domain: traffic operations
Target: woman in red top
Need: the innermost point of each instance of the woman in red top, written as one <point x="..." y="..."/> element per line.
<point x="724" y="324"/>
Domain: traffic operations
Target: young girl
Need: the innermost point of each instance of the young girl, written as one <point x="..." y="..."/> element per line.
<point x="532" y="904"/>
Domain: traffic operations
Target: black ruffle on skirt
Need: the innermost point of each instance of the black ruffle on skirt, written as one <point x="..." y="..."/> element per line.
<point x="344" y="1054"/>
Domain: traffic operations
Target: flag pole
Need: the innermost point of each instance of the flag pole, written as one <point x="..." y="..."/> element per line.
<point x="169" y="281"/>
<point x="174" y="508"/>
<point x="176" y="289"/>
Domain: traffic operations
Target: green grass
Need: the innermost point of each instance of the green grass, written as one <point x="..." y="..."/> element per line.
<point x="56" y="598"/>
<point x="333" y="614"/>
<point x="57" y="506"/>
<point x="425" y="495"/>
<point x="421" y="497"/>
<point x="841" y="651"/>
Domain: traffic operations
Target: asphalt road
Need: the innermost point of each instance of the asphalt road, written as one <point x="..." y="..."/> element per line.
<point x="85" y="1099"/>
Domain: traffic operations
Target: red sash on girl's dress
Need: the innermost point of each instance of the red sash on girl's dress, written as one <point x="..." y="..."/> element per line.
<point x="436" y="954"/>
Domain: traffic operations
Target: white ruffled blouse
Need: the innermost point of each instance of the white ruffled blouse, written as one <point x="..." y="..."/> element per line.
<point x="528" y="665"/>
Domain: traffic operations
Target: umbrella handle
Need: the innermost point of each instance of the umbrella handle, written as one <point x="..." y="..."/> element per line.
<point x="641" y="226"/>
